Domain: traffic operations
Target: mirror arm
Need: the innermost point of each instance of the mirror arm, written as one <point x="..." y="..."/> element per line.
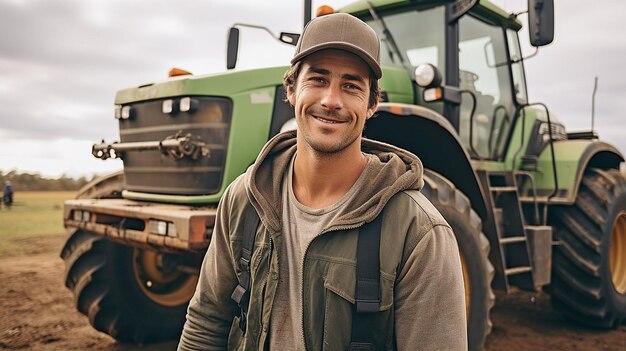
<point x="256" y="27"/>
<point x="527" y="57"/>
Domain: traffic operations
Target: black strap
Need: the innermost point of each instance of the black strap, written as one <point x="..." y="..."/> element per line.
<point x="367" y="286"/>
<point x="241" y="294"/>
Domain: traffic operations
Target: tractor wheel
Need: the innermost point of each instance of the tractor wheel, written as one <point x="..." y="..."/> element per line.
<point x="474" y="250"/>
<point x="589" y="261"/>
<point x="132" y="294"/>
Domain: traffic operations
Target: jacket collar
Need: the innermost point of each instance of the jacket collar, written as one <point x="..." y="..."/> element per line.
<point x="396" y="170"/>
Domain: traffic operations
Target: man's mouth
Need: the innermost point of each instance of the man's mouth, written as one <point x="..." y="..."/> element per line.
<point x="329" y="121"/>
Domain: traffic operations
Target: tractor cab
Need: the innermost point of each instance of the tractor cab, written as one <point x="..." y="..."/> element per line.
<point x="477" y="54"/>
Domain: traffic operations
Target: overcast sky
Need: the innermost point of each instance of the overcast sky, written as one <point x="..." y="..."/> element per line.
<point x="62" y="61"/>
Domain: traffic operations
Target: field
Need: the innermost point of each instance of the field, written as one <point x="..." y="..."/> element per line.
<point x="37" y="312"/>
<point x="33" y="223"/>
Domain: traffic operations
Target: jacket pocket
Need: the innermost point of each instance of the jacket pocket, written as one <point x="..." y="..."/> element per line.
<point x="339" y="284"/>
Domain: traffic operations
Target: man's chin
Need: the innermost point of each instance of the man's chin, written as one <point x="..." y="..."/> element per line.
<point x="327" y="147"/>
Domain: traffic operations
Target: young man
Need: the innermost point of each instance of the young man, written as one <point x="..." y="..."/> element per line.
<point x="314" y="191"/>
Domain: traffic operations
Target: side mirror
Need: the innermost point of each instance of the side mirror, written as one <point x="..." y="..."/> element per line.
<point x="233" y="48"/>
<point x="541" y="22"/>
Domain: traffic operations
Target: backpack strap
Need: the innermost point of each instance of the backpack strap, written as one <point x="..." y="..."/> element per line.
<point x="367" y="286"/>
<point x="241" y="294"/>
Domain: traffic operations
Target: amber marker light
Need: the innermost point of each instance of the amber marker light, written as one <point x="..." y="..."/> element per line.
<point x="433" y="94"/>
<point x="324" y="10"/>
<point x="174" y="72"/>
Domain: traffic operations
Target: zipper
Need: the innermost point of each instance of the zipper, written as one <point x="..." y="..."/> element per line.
<point x="267" y="278"/>
<point x="306" y="250"/>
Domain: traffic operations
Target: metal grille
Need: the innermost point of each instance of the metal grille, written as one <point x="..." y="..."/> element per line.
<point x="156" y="172"/>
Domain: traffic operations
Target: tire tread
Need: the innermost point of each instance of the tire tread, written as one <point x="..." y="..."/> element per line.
<point x="578" y="287"/>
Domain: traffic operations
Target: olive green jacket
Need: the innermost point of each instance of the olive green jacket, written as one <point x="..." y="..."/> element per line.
<point x="409" y="222"/>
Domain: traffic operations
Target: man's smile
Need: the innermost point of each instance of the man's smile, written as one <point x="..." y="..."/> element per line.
<point x="327" y="120"/>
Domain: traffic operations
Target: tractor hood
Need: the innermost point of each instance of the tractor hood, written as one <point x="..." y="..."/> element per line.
<point x="219" y="84"/>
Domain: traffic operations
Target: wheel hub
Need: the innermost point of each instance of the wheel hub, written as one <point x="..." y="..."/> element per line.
<point x="617" y="256"/>
<point x="159" y="279"/>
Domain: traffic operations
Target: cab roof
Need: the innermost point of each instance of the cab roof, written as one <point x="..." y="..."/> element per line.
<point x="485" y="9"/>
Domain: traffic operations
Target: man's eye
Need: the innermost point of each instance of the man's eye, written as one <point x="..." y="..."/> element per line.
<point x="318" y="79"/>
<point x="352" y="87"/>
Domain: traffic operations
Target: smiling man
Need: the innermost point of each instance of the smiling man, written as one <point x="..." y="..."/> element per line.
<point x="326" y="243"/>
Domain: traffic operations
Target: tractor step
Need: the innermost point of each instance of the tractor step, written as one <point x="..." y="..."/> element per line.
<point x="503" y="189"/>
<point x="540" y="249"/>
<point x="517" y="270"/>
<point x="511" y="231"/>
<point x="513" y="240"/>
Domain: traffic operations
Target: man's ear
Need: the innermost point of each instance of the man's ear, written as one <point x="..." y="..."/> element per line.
<point x="291" y="95"/>
<point x="372" y="109"/>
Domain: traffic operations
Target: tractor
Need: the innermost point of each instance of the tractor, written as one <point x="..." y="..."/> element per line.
<point x="532" y="206"/>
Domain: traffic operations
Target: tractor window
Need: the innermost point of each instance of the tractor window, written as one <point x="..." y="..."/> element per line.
<point x="409" y="29"/>
<point x="519" y="81"/>
<point x="420" y="36"/>
<point x="484" y="74"/>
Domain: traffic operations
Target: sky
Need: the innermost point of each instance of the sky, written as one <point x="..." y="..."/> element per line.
<point x="62" y="61"/>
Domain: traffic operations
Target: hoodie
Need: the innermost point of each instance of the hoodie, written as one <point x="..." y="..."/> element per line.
<point x="421" y="286"/>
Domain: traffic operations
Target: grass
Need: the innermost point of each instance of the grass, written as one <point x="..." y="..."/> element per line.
<point x="34" y="224"/>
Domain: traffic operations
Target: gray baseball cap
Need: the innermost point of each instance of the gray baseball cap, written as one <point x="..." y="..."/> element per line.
<point x="340" y="31"/>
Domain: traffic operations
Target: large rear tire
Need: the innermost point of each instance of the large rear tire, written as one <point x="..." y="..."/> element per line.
<point x="589" y="269"/>
<point x="134" y="295"/>
<point x="474" y="249"/>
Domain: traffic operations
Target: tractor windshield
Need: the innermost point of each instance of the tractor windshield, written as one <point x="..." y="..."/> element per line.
<point x="420" y="37"/>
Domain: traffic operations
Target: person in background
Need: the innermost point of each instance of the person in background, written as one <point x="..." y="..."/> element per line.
<point x="7" y="194"/>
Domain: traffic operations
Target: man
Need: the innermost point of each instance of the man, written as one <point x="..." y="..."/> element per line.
<point x="7" y="194"/>
<point x="314" y="191"/>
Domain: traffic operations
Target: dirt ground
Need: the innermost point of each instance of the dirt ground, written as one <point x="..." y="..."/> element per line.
<point x="37" y="313"/>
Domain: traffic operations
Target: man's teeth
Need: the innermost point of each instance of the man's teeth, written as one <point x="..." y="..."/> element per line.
<point x="326" y="120"/>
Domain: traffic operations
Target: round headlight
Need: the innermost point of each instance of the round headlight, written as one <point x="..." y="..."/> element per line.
<point x="427" y="75"/>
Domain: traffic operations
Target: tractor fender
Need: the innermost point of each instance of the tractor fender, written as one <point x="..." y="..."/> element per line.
<point x="573" y="158"/>
<point x="106" y="186"/>
<point x="433" y="139"/>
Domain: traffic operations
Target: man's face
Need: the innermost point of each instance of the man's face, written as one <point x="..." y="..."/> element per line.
<point x="331" y="100"/>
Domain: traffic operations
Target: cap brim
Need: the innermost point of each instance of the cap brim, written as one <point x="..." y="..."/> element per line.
<point x="369" y="60"/>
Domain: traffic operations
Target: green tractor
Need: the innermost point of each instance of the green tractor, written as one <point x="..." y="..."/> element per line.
<point x="532" y="206"/>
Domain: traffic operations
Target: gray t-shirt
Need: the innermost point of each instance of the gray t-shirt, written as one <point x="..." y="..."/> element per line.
<point x="301" y="224"/>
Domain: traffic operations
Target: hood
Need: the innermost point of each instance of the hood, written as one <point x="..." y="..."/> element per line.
<point x="396" y="170"/>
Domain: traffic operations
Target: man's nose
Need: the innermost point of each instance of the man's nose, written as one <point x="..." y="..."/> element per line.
<point x="332" y="97"/>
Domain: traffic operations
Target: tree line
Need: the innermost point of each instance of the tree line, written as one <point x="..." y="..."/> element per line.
<point x="35" y="182"/>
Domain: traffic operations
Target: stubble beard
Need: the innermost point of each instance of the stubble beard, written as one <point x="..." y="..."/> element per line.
<point x="322" y="149"/>
<point x="325" y="150"/>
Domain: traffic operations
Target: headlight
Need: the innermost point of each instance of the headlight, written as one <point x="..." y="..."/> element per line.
<point x="127" y="112"/>
<point x="427" y="75"/>
<point x="558" y="132"/>
<point x="118" y="112"/>
<point x="162" y="228"/>
<point x="81" y="216"/>
<point x="168" y="106"/>
<point x="188" y="104"/>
